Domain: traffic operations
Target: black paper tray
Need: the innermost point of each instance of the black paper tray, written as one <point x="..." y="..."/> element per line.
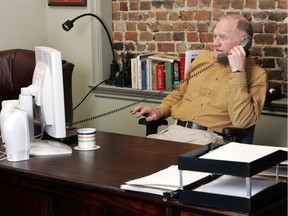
<point x="232" y="203"/>
<point x="191" y="161"/>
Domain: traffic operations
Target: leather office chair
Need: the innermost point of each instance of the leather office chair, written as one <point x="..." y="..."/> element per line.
<point x="16" y="71"/>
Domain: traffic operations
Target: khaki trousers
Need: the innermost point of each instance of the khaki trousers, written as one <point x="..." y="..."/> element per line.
<point x="181" y="134"/>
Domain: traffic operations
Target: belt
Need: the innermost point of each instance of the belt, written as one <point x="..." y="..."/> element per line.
<point x="191" y="125"/>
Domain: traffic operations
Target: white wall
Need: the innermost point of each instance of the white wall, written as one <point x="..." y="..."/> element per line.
<point x="22" y="24"/>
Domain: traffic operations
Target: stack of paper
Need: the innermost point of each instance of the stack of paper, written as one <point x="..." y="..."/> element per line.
<point x="166" y="180"/>
<point x="238" y="152"/>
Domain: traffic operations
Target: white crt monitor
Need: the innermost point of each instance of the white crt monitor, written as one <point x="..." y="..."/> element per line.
<point x="45" y="97"/>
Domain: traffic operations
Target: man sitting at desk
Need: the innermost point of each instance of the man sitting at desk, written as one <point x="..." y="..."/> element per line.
<point x="223" y="94"/>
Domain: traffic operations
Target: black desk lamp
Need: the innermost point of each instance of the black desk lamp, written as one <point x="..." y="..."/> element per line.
<point x="114" y="68"/>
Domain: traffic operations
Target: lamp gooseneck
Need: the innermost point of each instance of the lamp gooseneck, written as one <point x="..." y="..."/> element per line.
<point x="114" y="66"/>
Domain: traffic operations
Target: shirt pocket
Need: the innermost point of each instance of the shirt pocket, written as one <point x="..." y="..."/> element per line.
<point x="219" y="97"/>
<point x="194" y="88"/>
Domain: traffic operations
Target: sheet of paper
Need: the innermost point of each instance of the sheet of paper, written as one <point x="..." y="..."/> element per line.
<point x="241" y="152"/>
<point x="167" y="179"/>
<point x="234" y="186"/>
<point x="156" y="191"/>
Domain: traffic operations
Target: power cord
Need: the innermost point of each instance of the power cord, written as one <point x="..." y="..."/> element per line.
<point x="92" y="89"/>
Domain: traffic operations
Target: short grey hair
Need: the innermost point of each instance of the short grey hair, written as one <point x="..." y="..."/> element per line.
<point x="243" y="24"/>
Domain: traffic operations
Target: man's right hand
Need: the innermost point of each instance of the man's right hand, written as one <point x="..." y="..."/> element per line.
<point x="150" y="113"/>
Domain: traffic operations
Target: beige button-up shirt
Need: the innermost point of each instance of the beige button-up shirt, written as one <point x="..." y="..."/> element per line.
<point x="216" y="97"/>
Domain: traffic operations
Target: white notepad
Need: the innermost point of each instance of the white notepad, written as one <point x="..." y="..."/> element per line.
<point x="163" y="181"/>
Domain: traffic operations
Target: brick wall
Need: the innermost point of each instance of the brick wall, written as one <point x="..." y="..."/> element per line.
<point x="174" y="26"/>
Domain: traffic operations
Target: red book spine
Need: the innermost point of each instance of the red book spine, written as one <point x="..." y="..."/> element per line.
<point x="182" y="68"/>
<point x="160" y="77"/>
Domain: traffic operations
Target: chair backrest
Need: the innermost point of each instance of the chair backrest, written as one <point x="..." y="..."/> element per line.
<point x="16" y="71"/>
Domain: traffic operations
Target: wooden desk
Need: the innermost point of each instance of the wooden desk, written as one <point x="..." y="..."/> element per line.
<point x="87" y="182"/>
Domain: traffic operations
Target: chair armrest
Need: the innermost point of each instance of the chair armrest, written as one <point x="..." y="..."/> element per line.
<point x="242" y="135"/>
<point x="230" y="131"/>
<point x="152" y="126"/>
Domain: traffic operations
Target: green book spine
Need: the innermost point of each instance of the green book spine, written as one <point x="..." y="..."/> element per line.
<point x="169" y="76"/>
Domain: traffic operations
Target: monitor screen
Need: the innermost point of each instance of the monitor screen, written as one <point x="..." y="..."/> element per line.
<point x="45" y="98"/>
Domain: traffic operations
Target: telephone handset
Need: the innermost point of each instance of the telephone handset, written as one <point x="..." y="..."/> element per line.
<point x="246" y="43"/>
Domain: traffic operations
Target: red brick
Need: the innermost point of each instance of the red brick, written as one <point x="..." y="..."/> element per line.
<point x="163" y="36"/>
<point x="145" y="5"/>
<point x="116" y="16"/>
<point x="221" y="4"/>
<point x="192" y="3"/>
<point x="271" y="27"/>
<point x="130" y="26"/>
<point x="168" y="5"/>
<point x="123" y="6"/>
<point x="257" y="27"/>
<point x="206" y="37"/>
<point x="272" y="51"/>
<point x="202" y="15"/>
<point x="278" y="16"/>
<point x="178" y="26"/>
<point x="236" y="4"/>
<point x="264" y="39"/>
<point x="187" y="15"/>
<point x="180" y="3"/>
<point x="283" y="28"/>
<point x="156" y="4"/>
<point x="154" y="27"/>
<point x="192" y="37"/>
<point x="134" y="5"/>
<point x="266" y="4"/>
<point x="146" y="36"/>
<point x="141" y="47"/>
<point x="202" y="27"/>
<point x="282" y="39"/>
<point x="165" y="26"/>
<point x="161" y="15"/>
<point x="133" y="16"/>
<point x="190" y="26"/>
<point x="131" y="36"/>
<point x="118" y="36"/>
<point x="251" y="4"/>
<point x="151" y="47"/>
<point x="166" y="47"/>
<point x="173" y="16"/>
<point x="142" y="26"/>
<point x="178" y="36"/>
<point x="115" y="6"/>
<point x="204" y="4"/>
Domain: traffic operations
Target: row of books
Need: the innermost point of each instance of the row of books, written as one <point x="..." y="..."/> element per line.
<point x="160" y="72"/>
